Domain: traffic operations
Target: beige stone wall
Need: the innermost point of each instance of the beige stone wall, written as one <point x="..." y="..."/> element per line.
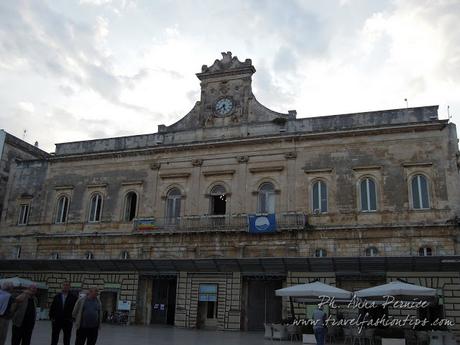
<point x="229" y="294"/>
<point x="389" y="241"/>
<point x="292" y="166"/>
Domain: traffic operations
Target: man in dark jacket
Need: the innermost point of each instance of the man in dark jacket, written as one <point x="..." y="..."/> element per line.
<point x="61" y="314"/>
<point x="24" y="318"/>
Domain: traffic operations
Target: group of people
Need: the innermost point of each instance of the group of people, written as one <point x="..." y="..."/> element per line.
<point x="65" y="311"/>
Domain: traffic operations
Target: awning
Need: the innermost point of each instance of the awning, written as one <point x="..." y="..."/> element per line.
<point x="313" y="290"/>
<point x="263" y="266"/>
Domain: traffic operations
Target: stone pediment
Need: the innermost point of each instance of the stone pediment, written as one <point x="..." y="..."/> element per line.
<point x="227" y="64"/>
<point x="227" y="81"/>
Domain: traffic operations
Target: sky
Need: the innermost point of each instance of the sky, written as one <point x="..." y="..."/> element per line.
<point x="87" y="69"/>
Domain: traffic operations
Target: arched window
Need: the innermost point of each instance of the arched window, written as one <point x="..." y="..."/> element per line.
<point x="371" y="251"/>
<point x="55" y="256"/>
<point x="319" y="197"/>
<point x="89" y="256"/>
<point x="320" y="253"/>
<point x="173" y="200"/>
<point x="266" y="202"/>
<point x="420" y="197"/>
<point x="368" y="195"/>
<point x="424" y="251"/>
<point x="95" y="209"/>
<point x="125" y="255"/>
<point x="62" y="209"/>
<point x="130" y="207"/>
<point x="218" y="200"/>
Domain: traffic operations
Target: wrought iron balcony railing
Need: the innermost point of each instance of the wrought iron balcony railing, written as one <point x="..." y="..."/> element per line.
<point x="228" y="222"/>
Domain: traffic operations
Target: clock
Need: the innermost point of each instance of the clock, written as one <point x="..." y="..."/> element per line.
<point x="224" y="106"/>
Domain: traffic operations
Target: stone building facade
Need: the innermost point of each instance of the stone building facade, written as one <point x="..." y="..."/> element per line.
<point x="161" y="220"/>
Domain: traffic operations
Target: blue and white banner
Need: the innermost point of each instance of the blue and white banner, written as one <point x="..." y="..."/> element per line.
<point x="259" y="224"/>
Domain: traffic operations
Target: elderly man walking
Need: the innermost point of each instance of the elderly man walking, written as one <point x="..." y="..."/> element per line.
<point x="61" y="314"/>
<point x="6" y="303"/>
<point x="88" y="317"/>
<point x="24" y="318"/>
<point x="8" y="306"/>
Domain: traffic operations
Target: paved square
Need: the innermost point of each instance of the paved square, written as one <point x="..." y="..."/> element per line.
<point x="155" y="335"/>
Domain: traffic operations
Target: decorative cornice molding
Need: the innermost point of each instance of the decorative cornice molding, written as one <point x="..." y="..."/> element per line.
<point x="155" y="166"/>
<point x="256" y="170"/>
<point x="197" y="162"/>
<point x="242" y="159"/>
<point x="96" y="185"/>
<point x="317" y="171"/>
<point x="256" y="139"/>
<point x="416" y="164"/>
<point x="290" y="155"/>
<point x="132" y="183"/>
<point x="369" y="167"/>
<point x="64" y="187"/>
<point x="175" y="175"/>
<point x="218" y="172"/>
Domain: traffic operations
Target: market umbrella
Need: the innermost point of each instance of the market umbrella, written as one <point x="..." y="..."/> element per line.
<point x="22" y="282"/>
<point x="312" y="291"/>
<point x="396" y="288"/>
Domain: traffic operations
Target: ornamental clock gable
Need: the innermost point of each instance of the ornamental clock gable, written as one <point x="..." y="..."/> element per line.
<point x="226" y="98"/>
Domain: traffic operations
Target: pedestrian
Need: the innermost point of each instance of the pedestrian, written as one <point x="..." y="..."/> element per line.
<point x="6" y="303"/>
<point x="87" y="314"/>
<point x="61" y="314"/>
<point x="24" y="318"/>
<point x="319" y="327"/>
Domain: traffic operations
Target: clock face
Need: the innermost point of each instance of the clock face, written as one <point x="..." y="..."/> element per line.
<point x="224" y="106"/>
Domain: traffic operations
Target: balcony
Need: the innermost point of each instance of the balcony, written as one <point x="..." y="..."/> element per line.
<point x="217" y="223"/>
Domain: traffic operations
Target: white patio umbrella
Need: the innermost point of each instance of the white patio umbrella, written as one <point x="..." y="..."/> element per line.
<point x="313" y="291"/>
<point x="396" y="288"/>
<point x="22" y="282"/>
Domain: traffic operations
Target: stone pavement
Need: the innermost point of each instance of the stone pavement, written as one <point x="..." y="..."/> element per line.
<point x="156" y="335"/>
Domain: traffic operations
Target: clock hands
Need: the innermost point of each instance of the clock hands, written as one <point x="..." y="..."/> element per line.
<point x="224" y="106"/>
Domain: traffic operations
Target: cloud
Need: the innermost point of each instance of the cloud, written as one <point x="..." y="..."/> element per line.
<point x="131" y="64"/>
<point x="58" y="47"/>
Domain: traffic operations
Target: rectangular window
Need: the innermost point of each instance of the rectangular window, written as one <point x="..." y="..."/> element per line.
<point x="208" y="293"/>
<point x="320" y="197"/>
<point x="23" y="214"/>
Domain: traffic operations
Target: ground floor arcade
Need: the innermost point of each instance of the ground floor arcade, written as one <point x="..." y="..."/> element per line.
<point x="233" y="294"/>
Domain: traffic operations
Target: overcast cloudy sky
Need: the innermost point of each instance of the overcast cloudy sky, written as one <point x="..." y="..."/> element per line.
<point x="85" y="69"/>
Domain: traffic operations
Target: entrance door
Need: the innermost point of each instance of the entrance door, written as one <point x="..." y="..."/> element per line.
<point x="207" y="306"/>
<point x="109" y="303"/>
<point x="262" y="305"/>
<point x="163" y="301"/>
<point x="207" y="315"/>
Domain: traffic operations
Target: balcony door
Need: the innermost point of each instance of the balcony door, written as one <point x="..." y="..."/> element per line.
<point x="173" y="200"/>
<point x="218" y="200"/>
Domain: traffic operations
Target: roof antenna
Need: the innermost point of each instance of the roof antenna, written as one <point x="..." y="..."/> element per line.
<point x="407" y="103"/>
<point x="448" y="113"/>
<point x="24" y="134"/>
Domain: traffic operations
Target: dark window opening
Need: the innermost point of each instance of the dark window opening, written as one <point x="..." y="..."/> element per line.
<point x="130" y="206"/>
<point x="218" y="200"/>
<point x="210" y="312"/>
